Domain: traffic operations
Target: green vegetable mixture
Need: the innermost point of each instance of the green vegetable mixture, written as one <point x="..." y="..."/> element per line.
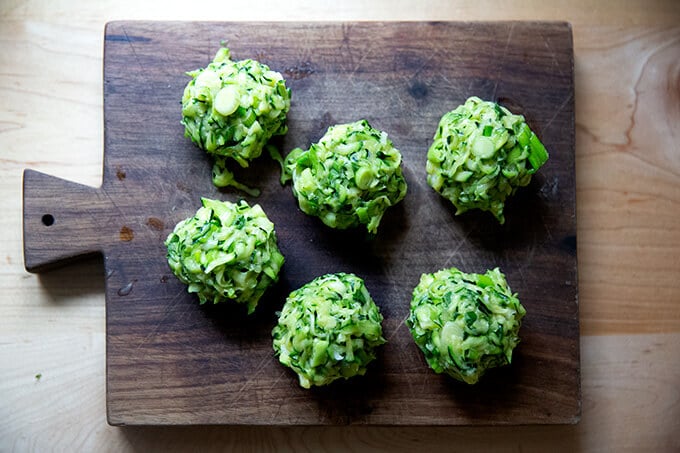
<point x="231" y="109"/>
<point x="328" y="329"/>
<point x="481" y="154"/>
<point x="226" y="251"/>
<point x="349" y="178"/>
<point x="465" y="323"/>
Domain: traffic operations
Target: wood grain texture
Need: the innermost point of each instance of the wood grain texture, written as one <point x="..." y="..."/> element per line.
<point x="75" y="227"/>
<point x="629" y="161"/>
<point x="53" y="323"/>
<point x="614" y="368"/>
<point x="172" y="362"/>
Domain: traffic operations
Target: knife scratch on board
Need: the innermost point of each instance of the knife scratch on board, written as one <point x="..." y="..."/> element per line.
<point x="125" y="221"/>
<point x="268" y="392"/>
<point x="555" y="62"/>
<point x="505" y="51"/>
<point x="346" y="28"/>
<point x="403" y="365"/>
<point x="394" y="332"/>
<point x="115" y="205"/>
<point x="357" y="66"/>
<point x="527" y="261"/>
<point x="558" y="110"/>
<point x="460" y="244"/>
<point x="134" y="53"/>
<point x="251" y="379"/>
<point x="160" y="323"/>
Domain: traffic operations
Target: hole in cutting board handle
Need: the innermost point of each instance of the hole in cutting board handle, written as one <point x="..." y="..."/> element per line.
<point x="56" y="233"/>
<point x="48" y="220"/>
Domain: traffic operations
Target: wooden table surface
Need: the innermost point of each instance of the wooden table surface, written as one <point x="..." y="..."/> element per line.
<point x="627" y="76"/>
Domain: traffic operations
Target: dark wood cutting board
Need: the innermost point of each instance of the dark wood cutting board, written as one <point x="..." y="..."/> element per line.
<point x="171" y="361"/>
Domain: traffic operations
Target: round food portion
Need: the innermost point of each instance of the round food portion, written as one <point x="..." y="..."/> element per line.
<point x="231" y="109"/>
<point x="328" y="329"/>
<point x="481" y="154"/>
<point x="349" y="178"/>
<point x="226" y="251"/>
<point x="465" y="323"/>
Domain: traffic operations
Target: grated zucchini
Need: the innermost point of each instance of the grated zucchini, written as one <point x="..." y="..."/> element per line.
<point x="328" y="329"/>
<point x="231" y="109"/>
<point x="226" y="251"/>
<point x="481" y="154"/>
<point x="465" y="323"/>
<point x="349" y="178"/>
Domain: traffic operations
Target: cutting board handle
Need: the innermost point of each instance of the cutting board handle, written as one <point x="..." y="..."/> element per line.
<point x="61" y="220"/>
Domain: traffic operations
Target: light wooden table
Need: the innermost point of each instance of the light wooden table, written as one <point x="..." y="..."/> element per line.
<point x="627" y="71"/>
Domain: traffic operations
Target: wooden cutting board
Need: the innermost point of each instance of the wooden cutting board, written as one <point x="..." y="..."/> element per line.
<point x="171" y="361"/>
